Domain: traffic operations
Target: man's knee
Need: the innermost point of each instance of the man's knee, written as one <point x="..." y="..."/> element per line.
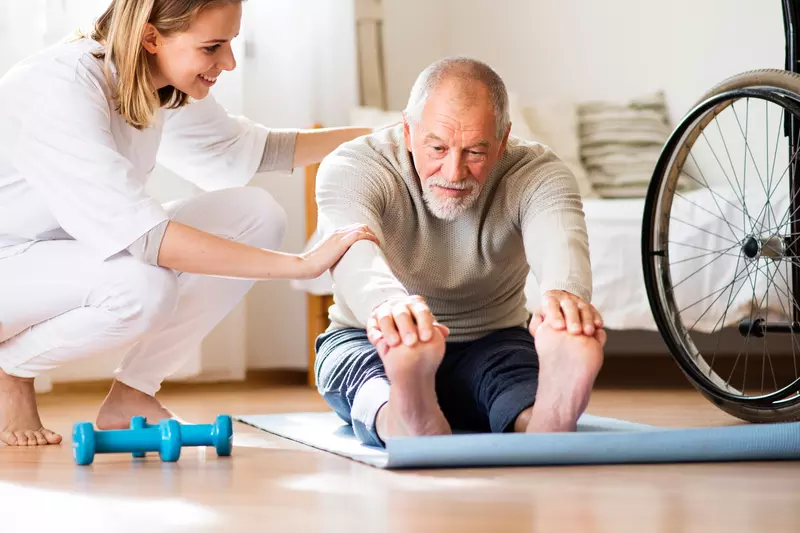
<point x="140" y="296"/>
<point x="351" y="380"/>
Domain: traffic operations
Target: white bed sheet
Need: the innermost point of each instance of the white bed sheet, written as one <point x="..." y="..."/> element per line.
<point x="615" y="229"/>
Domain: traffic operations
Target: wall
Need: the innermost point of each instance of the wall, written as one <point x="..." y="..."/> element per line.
<point x="415" y="34"/>
<point x="300" y="69"/>
<point x="588" y="49"/>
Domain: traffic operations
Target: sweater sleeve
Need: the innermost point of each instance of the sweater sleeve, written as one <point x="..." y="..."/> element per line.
<point x="354" y="189"/>
<point x="147" y="247"/>
<point x="553" y="226"/>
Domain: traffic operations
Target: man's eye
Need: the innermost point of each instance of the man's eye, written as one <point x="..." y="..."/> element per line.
<point x="438" y="149"/>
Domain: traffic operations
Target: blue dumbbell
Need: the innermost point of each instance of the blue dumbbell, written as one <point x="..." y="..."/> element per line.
<point x="164" y="438"/>
<point x="219" y="434"/>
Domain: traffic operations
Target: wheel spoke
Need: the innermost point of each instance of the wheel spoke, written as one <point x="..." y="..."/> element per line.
<point x="716" y="194"/>
<point x="695" y="272"/>
<point x="747" y="144"/>
<point x="745" y="216"/>
<point x="720" y="290"/>
<point x="747" y="338"/>
<point x="725" y="220"/>
<point x="722" y="251"/>
<point x="765" y="354"/>
<point x="731" y="298"/>
<point x="704" y="230"/>
<point x="702" y="255"/>
<point x="739" y="197"/>
<point x="780" y="180"/>
<point x="789" y="318"/>
<point x="775" y="154"/>
<point x="788" y="298"/>
<point x="766" y="136"/>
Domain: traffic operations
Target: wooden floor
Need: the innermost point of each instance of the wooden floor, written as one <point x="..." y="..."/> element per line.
<point x="270" y="484"/>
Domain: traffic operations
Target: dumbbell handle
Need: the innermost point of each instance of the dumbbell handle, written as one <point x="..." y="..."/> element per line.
<point x="125" y="440"/>
<point x="198" y="435"/>
<point x="201" y="434"/>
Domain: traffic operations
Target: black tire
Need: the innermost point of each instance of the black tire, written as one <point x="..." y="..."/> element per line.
<point x="784" y="88"/>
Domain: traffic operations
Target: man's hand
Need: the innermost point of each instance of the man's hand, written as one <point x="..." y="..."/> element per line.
<point x="561" y="309"/>
<point x="406" y="320"/>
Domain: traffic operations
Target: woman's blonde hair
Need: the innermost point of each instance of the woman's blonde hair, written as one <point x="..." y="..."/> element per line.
<point x="121" y="29"/>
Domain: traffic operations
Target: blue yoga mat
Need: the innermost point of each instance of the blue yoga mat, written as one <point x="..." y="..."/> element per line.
<point x="598" y="441"/>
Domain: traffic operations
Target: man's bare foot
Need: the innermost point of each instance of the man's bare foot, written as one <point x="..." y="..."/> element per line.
<point x="20" y="424"/>
<point x="123" y="403"/>
<point x="413" y="409"/>
<point x="568" y="367"/>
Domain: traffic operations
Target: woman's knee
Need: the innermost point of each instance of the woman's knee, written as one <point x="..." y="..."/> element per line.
<point x="267" y="219"/>
<point x="249" y="215"/>
<point x="141" y="296"/>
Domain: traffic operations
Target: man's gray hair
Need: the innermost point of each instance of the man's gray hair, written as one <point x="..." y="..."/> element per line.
<point x="466" y="69"/>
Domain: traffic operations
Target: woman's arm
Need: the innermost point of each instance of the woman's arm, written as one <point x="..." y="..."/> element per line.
<point x="187" y="249"/>
<point x="312" y="146"/>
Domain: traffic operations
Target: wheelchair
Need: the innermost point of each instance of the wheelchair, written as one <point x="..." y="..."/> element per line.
<point x="721" y="241"/>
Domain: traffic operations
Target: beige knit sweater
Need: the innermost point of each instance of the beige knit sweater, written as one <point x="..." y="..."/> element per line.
<point x="471" y="270"/>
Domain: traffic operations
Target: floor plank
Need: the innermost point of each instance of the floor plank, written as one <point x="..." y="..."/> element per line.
<point x="277" y="485"/>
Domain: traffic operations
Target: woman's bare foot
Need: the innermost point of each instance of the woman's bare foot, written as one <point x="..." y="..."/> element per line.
<point x="20" y="424"/>
<point x="568" y="367"/>
<point x="413" y="409"/>
<point x="124" y="402"/>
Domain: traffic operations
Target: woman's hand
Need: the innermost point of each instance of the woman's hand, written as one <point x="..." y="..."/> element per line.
<point x="328" y="252"/>
<point x="187" y="249"/>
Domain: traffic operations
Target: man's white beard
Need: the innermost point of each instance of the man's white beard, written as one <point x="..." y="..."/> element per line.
<point x="448" y="208"/>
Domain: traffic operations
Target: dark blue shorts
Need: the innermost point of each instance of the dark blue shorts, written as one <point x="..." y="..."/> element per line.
<point x="482" y="385"/>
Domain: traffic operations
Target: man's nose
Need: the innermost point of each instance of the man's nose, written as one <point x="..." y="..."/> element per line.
<point x="454" y="168"/>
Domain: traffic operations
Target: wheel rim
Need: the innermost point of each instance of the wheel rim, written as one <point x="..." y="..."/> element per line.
<point x="716" y="207"/>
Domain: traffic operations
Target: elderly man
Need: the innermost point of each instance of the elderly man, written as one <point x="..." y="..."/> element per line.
<point x="429" y="331"/>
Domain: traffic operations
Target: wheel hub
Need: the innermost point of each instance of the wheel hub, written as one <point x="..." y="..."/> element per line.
<point x="771" y="246"/>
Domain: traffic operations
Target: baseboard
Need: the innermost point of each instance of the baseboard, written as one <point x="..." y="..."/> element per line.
<point x="641" y="372"/>
<point x="276" y="377"/>
<point x="254" y="379"/>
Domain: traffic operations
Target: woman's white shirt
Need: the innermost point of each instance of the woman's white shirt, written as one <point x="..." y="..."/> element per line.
<point x="71" y="167"/>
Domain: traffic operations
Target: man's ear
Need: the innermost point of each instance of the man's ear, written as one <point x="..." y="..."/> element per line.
<point x="151" y="39"/>
<point x="407" y="132"/>
<point x="505" y="142"/>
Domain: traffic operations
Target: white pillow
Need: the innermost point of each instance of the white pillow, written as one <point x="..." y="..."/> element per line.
<point x="555" y="124"/>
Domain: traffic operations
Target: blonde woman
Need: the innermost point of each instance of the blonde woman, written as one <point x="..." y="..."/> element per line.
<point x="89" y="263"/>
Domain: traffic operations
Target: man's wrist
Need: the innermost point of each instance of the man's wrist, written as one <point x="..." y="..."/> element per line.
<point x="389" y="300"/>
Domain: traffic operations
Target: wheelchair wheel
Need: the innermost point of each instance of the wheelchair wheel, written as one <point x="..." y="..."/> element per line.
<point x="721" y="246"/>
